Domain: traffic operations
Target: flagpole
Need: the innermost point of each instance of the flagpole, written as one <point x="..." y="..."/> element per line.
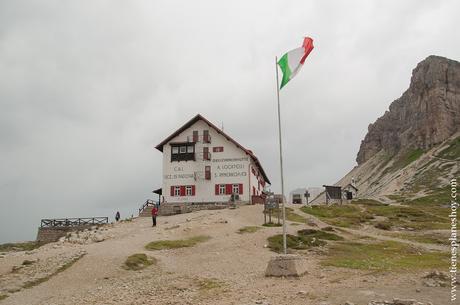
<point x="281" y="157"/>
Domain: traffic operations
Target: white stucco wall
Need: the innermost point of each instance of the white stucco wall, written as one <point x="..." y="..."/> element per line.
<point x="232" y="166"/>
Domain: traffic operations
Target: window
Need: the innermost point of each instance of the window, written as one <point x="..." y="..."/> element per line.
<point x="236" y="189"/>
<point x="177" y="191"/>
<point x="188" y="190"/>
<point x="206" y="138"/>
<point x="218" y="149"/>
<point x="222" y="189"/>
<point x="182" y="151"/>
<point x="206" y="154"/>
<point x="207" y="172"/>
<point x="195" y="136"/>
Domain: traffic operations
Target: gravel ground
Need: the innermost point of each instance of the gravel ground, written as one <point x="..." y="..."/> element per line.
<point x="227" y="269"/>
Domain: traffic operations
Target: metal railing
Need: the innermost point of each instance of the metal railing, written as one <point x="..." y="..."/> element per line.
<point x="73" y="222"/>
<point x="146" y="204"/>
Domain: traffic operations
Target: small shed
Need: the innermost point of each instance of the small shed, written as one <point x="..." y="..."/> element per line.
<point x="333" y="194"/>
<point x="350" y="192"/>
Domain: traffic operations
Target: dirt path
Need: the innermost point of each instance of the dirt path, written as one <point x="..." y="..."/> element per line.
<point x="233" y="263"/>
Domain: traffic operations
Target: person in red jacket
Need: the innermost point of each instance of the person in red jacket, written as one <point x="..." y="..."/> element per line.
<point x="154" y="215"/>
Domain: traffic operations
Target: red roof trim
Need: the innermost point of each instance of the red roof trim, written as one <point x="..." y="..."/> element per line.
<point x="200" y="117"/>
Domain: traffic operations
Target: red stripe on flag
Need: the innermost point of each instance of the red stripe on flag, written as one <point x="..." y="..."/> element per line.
<point x="308" y="47"/>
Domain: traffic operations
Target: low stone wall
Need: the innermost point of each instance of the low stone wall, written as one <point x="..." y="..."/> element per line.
<point x="52" y="234"/>
<point x="180" y="208"/>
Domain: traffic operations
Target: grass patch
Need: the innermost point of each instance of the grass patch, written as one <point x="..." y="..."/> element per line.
<point x="427" y="238"/>
<point x="272" y="224"/>
<point x="64" y="267"/>
<point x="294" y="217"/>
<point x="138" y="261"/>
<point x="367" y="202"/>
<point x="248" y="229"/>
<point x="275" y="243"/>
<point x="436" y="197"/>
<point x="27" y="262"/>
<point x="384" y="256"/>
<point x="209" y="284"/>
<point x="3" y="296"/>
<point x="411" y="217"/>
<point x="24" y="246"/>
<point x="320" y="234"/>
<point x="452" y="152"/>
<point x="396" y="197"/>
<point x="342" y="216"/>
<point x="383" y="225"/>
<point x="178" y="243"/>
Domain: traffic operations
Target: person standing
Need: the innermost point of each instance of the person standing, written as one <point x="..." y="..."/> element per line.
<point x="117" y="216"/>
<point x="154" y="215"/>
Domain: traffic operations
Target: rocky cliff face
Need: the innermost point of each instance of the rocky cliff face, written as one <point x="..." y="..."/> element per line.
<point x="425" y="115"/>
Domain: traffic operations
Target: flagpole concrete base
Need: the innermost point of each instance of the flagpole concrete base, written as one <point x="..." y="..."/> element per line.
<point x="286" y="265"/>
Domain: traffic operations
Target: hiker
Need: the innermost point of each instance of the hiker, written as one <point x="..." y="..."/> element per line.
<point x="117" y="216"/>
<point x="154" y="215"/>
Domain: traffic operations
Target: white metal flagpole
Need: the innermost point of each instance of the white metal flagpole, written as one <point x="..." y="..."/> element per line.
<point x="281" y="156"/>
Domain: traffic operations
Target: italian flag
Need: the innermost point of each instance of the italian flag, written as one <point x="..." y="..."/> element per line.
<point x="292" y="61"/>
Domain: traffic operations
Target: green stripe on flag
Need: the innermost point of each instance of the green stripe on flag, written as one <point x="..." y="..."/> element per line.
<point x="283" y="63"/>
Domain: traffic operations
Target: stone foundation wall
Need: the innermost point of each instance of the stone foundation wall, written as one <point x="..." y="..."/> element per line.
<point x="52" y="234"/>
<point x="180" y="208"/>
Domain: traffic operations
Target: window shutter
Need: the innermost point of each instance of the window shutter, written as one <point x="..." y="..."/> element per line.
<point x="195" y="136"/>
<point x="217" y="189"/>
<point x="228" y="189"/>
<point x="206" y="136"/>
<point x="241" y="188"/>
<point x="193" y="190"/>
<point x="172" y="190"/>
<point x="182" y="190"/>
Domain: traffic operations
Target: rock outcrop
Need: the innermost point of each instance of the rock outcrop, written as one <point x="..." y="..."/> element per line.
<point x="425" y="115"/>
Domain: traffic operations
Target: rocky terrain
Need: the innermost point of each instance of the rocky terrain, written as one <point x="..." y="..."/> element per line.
<point x="413" y="150"/>
<point x="226" y="267"/>
<point x="427" y="114"/>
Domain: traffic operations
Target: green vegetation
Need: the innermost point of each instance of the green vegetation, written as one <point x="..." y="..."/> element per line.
<point x="369" y="202"/>
<point x="428" y="238"/>
<point x="342" y="216"/>
<point x="3" y="296"/>
<point x="420" y="214"/>
<point x="64" y="267"/>
<point x="24" y="246"/>
<point x="435" y="197"/>
<point x="248" y="229"/>
<point x="174" y="244"/>
<point x="208" y="284"/>
<point x="452" y="152"/>
<point x="383" y="225"/>
<point x="275" y="243"/>
<point x="383" y="256"/>
<point x="294" y="217"/>
<point x="138" y="261"/>
<point x="272" y="224"/>
<point x="319" y="234"/>
<point x="411" y="217"/>
<point x="27" y="262"/>
<point x="398" y="198"/>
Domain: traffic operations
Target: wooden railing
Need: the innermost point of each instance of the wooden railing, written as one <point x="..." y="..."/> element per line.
<point x="73" y="222"/>
<point x="146" y="204"/>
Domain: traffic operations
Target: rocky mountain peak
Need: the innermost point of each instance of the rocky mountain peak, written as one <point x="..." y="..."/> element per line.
<point x="425" y="115"/>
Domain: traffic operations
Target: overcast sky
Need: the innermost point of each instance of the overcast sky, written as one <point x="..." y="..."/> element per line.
<point x="88" y="88"/>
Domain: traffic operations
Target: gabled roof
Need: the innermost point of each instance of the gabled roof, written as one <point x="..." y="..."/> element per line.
<point x="199" y="117"/>
<point x="349" y="184"/>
